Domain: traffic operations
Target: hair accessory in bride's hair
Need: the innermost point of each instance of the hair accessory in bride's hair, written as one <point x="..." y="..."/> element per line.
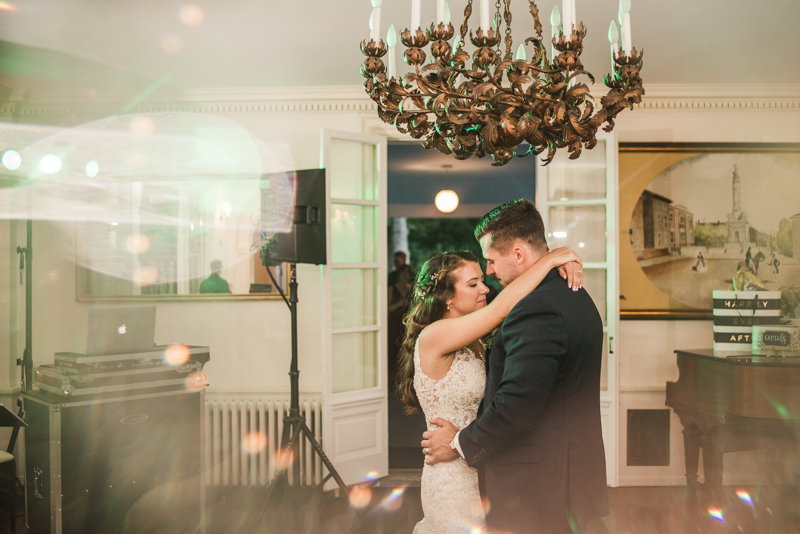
<point x="426" y="284"/>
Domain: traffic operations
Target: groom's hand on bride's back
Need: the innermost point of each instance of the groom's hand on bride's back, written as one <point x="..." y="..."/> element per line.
<point x="436" y="443"/>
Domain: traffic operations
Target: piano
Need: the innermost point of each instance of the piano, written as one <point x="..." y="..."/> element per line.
<point x="736" y="402"/>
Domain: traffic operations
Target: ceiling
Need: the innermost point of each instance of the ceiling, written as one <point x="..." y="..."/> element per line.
<point x="415" y="175"/>
<point x="266" y="43"/>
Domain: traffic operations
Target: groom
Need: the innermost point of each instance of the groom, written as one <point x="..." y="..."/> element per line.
<point x="538" y="439"/>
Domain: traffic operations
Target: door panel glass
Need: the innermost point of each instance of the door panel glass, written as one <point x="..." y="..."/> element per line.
<point x="354" y="297"/>
<point x="353" y="236"/>
<point x="353" y="170"/>
<point x="355" y="361"/>
<point x="581" y="227"/>
<point x="594" y="281"/>
<point x="578" y="179"/>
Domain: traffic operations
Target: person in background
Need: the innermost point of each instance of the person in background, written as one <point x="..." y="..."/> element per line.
<point x="399" y="260"/>
<point x="398" y="307"/>
<point x="215" y="283"/>
<point x="774" y="263"/>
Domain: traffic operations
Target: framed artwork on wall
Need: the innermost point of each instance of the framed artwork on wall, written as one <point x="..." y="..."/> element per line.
<point x="694" y="216"/>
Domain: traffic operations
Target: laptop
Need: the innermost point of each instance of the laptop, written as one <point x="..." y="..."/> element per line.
<point x="121" y="330"/>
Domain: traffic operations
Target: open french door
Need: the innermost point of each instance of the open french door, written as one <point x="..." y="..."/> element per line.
<point x="578" y="200"/>
<point x="354" y="312"/>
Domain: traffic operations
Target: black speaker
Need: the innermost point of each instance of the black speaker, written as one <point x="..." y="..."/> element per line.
<point x="296" y="228"/>
<point x="114" y="466"/>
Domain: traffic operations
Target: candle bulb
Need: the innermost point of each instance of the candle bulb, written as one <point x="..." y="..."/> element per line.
<point x="573" y="17"/>
<point x="391" y="41"/>
<point x="555" y="23"/>
<point x="375" y="21"/>
<point x="521" y="55"/>
<point x="627" y="42"/>
<point x="613" y="39"/>
<point x="439" y="11"/>
<point x="485" y="15"/>
<point x="414" y="15"/>
<point x="446" y="13"/>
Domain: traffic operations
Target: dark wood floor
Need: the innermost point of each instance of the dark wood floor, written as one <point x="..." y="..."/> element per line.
<point x="390" y="509"/>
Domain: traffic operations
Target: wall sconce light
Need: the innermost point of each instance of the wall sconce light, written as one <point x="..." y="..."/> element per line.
<point x="446" y="201"/>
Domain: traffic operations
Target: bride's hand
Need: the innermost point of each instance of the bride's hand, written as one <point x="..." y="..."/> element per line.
<point x="572" y="272"/>
<point x="569" y="266"/>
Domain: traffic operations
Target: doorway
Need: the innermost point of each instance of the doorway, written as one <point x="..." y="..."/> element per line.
<point x="418" y="228"/>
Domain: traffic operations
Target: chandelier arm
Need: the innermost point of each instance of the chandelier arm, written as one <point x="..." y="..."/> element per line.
<point x="421" y="80"/>
<point x="464" y="27"/>
<point x="507" y="17"/>
<point x="537" y="23"/>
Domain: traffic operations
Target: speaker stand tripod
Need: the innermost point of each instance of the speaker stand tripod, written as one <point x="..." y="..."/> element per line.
<point x="294" y="424"/>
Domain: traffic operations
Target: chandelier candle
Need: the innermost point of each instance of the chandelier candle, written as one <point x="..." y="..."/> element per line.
<point x="484" y="14"/>
<point x="613" y="39"/>
<point x="625" y="9"/>
<point x="375" y="20"/>
<point x="555" y="29"/>
<point x="487" y="101"/>
<point x="440" y="12"/>
<point x="391" y="40"/>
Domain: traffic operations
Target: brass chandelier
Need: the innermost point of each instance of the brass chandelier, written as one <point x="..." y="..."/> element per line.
<point x="499" y="102"/>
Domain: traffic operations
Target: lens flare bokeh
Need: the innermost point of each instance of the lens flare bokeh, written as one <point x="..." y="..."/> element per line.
<point x="394" y="500"/>
<point x="196" y="380"/>
<point x="744" y="496"/>
<point x="360" y="497"/>
<point x="283" y="458"/>
<point x="153" y="198"/>
<point x="717" y="514"/>
<point x="191" y="15"/>
<point x="254" y="442"/>
<point x="176" y="355"/>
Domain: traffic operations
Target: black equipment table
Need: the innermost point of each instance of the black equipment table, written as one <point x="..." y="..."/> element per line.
<point x="115" y="462"/>
<point x="735" y="402"/>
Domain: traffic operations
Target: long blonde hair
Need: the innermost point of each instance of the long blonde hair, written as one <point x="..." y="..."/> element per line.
<point x="435" y="284"/>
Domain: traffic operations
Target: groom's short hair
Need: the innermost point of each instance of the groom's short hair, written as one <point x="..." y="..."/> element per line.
<point x="518" y="219"/>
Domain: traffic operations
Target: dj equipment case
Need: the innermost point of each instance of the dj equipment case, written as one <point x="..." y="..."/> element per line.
<point x="79" y="363"/>
<point x="115" y="463"/>
<point x="51" y="379"/>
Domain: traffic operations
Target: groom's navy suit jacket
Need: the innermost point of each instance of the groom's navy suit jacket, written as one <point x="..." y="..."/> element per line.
<point x="538" y="438"/>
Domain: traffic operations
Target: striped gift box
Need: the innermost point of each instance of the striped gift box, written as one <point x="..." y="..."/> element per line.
<point x="736" y="312"/>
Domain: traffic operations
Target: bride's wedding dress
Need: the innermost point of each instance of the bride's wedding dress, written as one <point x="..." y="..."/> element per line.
<point x="450" y="496"/>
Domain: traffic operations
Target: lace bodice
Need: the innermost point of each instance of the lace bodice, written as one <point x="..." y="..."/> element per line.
<point x="450" y="497"/>
<point x="457" y="396"/>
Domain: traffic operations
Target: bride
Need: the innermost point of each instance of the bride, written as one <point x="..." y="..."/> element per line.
<point x="442" y="371"/>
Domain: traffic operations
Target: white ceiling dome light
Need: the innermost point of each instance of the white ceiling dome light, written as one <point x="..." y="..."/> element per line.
<point x="446" y="201"/>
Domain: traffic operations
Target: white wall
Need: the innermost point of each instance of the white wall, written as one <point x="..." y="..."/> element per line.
<point x="646" y="349"/>
<point x="249" y="340"/>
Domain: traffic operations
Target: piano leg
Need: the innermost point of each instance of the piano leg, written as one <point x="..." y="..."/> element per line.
<point x="691" y="448"/>
<point x="712" y="462"/>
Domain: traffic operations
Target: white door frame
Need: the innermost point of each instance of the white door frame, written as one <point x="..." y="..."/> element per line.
<point x="609" y="399"/>
<point x="355" y="423"/>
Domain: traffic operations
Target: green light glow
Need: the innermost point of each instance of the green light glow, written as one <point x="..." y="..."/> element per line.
<point x="92" y="168"/>
<point x="50" y="164"/>
<point x="12" y="160"/>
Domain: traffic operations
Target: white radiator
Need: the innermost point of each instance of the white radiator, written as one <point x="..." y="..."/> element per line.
<point x="243" y="437"/>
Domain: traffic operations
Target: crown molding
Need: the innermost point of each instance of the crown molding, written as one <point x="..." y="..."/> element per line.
<point x="352" y="99"/>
